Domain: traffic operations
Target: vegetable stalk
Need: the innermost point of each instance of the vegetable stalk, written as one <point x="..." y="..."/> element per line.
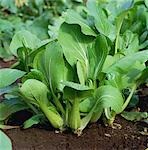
<point x="74" y="118"/>
<point x="53" y="117"/>
<point x="129" y="97"/>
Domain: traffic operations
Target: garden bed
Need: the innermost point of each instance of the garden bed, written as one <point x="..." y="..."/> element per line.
<point x="94" y="137"/>
<point x="75" y="76"/>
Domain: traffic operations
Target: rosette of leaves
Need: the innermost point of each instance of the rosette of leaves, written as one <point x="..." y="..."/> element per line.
<point x="82" y="75"/>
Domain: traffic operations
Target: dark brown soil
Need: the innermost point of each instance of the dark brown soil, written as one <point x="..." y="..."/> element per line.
<point x="6" y="64"/>
<point x="94" y="137"/>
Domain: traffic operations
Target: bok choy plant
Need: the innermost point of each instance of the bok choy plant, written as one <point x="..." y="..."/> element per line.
<point x="82" y="75"/>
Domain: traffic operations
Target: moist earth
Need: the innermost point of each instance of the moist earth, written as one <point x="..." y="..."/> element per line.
<point x="94" y="137"/>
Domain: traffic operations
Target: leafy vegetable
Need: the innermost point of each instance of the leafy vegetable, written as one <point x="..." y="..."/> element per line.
<point x="36" y="92"/>
<point x="52" y="65"/>
<point x="89" y="69"/>
<point x="110" y="99"/>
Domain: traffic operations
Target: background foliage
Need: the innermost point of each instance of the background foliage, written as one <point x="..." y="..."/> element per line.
<point x="36" y="16"/>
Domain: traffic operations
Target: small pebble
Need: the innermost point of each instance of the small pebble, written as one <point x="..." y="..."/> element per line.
<point x="108" y="135"/>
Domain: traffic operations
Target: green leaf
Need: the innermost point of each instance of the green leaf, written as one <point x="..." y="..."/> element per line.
<point x="5" y="25"/>
<point x="126" y="63"/>
<point x="10" y="106"/>
<point x="33" y="74"/>
<point x="51" y="63"/>
<point x="74" y="44"/>
<point x="119" y="21"/>
<point x="86" y="105"/>
<point x="103" y="25"/>
<point x="110" y="60"/>
<point x="55" y="70"/>
<point x="35" y="91"/>
<point x="72" y="17"/>
<point x="39" y="26"/>
<point x="115" y="7"/>
<point x="9" y="76"/>
<point x="134" y="116"/>
<point x="133" y="102"/>
<point x="97" y="56"/>
<point x="71" y="94"/>
<point x="146" y="3"/>
<point x="24" y="38"/>
<point x="143" y="77"/>
<point x="128" y="43"/>
<point x="136" y="21"/>
<point x="105" y="97"/>
<point x="81" y="73"/>
<point x="36" y="119"/>
<point x="127" y="79"/>
<point x="144" y="45"/>
<point x="116" y="80"/>
<point x="76" y="86"/>
<point x="53" y="29"/>
<point x="9" y="4"/>
<point x="26" y="55"/>
<point x="143" y="36"/>
<point x="109" y="97"/>
<point x="7" y="89"/>
<point x="5" y="142"/>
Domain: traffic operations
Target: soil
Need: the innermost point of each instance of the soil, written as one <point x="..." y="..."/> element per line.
<point x="95" y="136"/>
<point x="6" y="64"/>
